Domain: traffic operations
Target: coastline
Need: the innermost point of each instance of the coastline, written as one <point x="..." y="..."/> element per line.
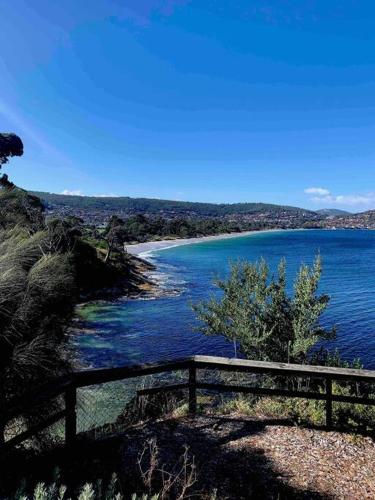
<point x="142" y="249"/>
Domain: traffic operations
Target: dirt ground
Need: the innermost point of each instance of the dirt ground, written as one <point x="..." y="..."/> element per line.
<point x="233" y="457"/>
<point x="247" y="458"/>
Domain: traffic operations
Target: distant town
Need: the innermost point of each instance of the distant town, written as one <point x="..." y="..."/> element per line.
<point x="97" y="211"/>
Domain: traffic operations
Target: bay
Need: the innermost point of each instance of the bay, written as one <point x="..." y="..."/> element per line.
<point x="149" y="330"/>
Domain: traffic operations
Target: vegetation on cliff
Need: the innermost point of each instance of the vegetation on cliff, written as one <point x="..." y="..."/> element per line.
<point x="46" y="267"/>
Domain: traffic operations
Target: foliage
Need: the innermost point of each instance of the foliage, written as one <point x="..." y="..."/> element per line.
<point x="141" y="228"/>
<point x="154" y="480"/>
<point x="58" y="491"/>
<point x="44" y="266"/>
<point x="36" y="301"/>
<point x="354" y="417"/>
<point x="324" y="357"/>
<point x="10" y="145"/>
<point x="256" y="312"/>
<point x="157" y="207"/>
<point x="115" y="234"/>
<point x="175" y="483"/>
<point x="18" y="208"/>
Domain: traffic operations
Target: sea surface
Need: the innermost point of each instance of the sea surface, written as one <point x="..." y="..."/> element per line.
<point x="155" y="329"/>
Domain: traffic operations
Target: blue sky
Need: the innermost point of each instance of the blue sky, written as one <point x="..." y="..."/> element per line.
<point x="195" y="100"/>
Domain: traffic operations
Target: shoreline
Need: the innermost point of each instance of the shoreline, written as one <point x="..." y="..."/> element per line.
<point x="142" y="249"/>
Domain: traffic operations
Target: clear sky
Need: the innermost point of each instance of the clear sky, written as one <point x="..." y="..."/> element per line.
<point x="199" y="100"/>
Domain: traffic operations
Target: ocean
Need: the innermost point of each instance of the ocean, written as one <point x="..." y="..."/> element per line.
<point x="131" y="331"/>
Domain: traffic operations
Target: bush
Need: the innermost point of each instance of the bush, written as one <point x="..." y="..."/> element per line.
<point x="255" y="312"/>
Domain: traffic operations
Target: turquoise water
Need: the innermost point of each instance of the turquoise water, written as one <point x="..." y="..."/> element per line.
<point x="132" y="331"/>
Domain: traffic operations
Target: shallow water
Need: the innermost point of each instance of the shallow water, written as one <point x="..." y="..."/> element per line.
<point x="132" y="331"/>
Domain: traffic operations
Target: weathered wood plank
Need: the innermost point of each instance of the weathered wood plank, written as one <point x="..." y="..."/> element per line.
<point x="23" y="436"/>
<point x="353" y="400"/>
<point x="265" y="391"/>
<point x="244" y="365"/>
<point x="36" y="396"/>
<point x="192" y="389"/>
<point x="329" y="403"/>
<point x="71" y="415"/>
<point x="93" y="377"/>
<point x="260" y="391"/>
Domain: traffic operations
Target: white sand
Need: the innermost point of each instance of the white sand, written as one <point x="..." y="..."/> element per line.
<point x="150" y="246"/>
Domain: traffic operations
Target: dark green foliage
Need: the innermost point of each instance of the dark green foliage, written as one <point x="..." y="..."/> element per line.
<point x="18" y="208"/>
<point x="157" y="207"/>
<point x="115" y="235"/>
<point x="256" y="312"/>
<point x="92" y="273"/>
<point x="142" y="228"/>
<point x="44" y="268"/>
<point x="39" y="286"/>
<point x="324" y="357"/>
<point x="10" y="145"/>
<point x="37" y="293"/>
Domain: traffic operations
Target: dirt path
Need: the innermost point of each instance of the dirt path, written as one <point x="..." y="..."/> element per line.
<point x="245" y="458"/>
<point x="239" y="457"/>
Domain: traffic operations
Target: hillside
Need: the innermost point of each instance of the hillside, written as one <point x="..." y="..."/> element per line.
<point x="99" y="209"/>
<point x="363" y="220"/>
<point x="329" y="212"/>
<point x="157" y="206"/>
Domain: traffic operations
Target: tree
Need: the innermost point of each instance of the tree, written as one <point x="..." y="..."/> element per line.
<point x="10" y="145"/>
<point x="16" y="205"/>
<point x="256" y="312"/>
<point x="115" y="234"/>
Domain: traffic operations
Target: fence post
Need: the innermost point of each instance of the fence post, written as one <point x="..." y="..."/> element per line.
<point x="192" y="389"/>
<point x="2" y="433"/>
<point x="71" y="416"/>
<point x="329" y="403"/>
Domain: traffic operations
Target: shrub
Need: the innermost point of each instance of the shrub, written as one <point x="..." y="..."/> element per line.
<point x="255" y="312"/>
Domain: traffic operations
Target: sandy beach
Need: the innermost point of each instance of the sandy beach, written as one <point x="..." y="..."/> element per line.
<point x="150" y="246"/>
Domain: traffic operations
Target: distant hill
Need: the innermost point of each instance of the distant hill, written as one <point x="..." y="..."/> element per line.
<point x="327" y="212"/>
<point x="368" y="216"/>
<point x="363" y="220"/>
<point x="151" y="206"/>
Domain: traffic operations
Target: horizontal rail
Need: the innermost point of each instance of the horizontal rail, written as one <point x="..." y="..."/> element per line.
<point x="36" y="397"/>
<point x="265" y="391"/>
<point x="285" y="369"/>
<point x="23" y="436"/>
<point x="69" y="385"/>
<point x="93" y="377"/>
<point x="258" y="391"/>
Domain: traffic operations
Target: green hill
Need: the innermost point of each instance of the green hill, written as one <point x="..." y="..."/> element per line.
<point x="165" y="207"/>
<point x="329" y="212"/>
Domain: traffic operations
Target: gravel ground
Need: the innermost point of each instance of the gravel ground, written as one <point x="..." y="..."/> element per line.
<point x="247" y="458"/>
<point x="240" y="457"/>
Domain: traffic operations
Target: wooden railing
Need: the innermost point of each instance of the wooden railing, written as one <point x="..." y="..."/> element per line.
<point x="68" y="386"/>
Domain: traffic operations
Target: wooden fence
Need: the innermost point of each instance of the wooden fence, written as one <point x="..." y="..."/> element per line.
<point x="68" y="386"/>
